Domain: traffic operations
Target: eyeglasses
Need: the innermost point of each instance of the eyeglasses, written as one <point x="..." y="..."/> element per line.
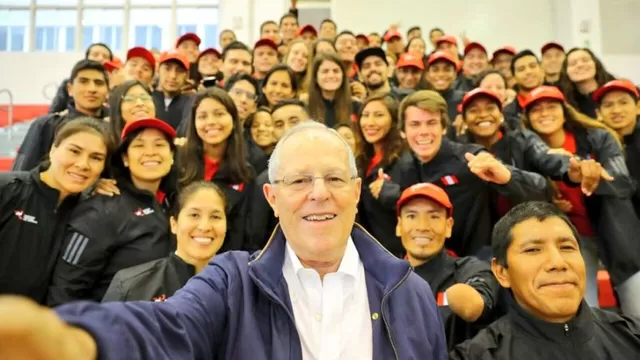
<point x="305" y="182"/>
<point x="130" y="98"/>
<point x="239" y="93"/>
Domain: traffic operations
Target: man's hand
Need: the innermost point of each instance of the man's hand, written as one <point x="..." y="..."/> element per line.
<point x="106" y="187"/>
<point x="460" y="125"/>
<point x="376" y="186"/>
<point x="488" y="168"/>
<point x="587" y="173"/>
<point x="30" y="331"/>
<point x="358" y="90"/>
<point x="562" y="204"/>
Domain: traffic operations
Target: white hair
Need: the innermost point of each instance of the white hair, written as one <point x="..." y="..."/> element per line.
<point x="275" y="159"/>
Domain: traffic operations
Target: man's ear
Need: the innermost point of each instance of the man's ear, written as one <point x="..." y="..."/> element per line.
<point x="173" y="223"/>
<point x="269" y="194"/>
<point x="501" y="273"/>
<point x="69" y="88"/>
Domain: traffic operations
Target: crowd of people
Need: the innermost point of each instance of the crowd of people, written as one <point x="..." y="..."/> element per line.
<point x="326" y="195"/>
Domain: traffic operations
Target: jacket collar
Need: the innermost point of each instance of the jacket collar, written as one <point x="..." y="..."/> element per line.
<point x="579" y="329"/>
<point x="437" y="268"/>
<point x="265" y="266"/>
<point x="48" y="192"/>
<point x="74" y="113"/>
<point x="183" y="270"/>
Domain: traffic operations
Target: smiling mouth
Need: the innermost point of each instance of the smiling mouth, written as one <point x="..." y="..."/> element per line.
<point x="422" y="240"/>
<point x="150" y="163"/>
<point x="77" y="177"/>
<point x="484" y="124"/>
<point x="202" y="240"/>
<point x="319" y="217"/>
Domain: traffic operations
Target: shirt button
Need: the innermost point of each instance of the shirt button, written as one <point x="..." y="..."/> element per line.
<point x="318" y="317"/>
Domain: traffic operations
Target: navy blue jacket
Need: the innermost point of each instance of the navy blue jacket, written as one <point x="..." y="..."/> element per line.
<point x="239" y="308"/>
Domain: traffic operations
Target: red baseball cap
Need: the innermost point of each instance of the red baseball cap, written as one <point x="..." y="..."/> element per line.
<point x="307" y="28"/>
<point x="543" y="93"/>
<point x="624" y="85"/>
<point x="441" y="55"/>
<point x="189" y="36"/>
<point x="141" y="52"/>
<point x="174" y="55"/>
<point x="114" y="64"/>
<point x="551" y="45"/>
<point x="392" y="35"/>
<point x="210" y="51"/>
<point x="475" y="93"/>
<point x="265" y="41"/>
<point x="427" y="190"/>
<point x="507" y="49"/>
<point x="447" y="38"/>
<point x="474" y="45"/>
<point x="408" y="60"/>
<point x="134" y="125"/>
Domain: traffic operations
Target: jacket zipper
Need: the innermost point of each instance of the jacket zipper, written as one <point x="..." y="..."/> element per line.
<point x="384" y="315"/>
<point x="566" y="329"/>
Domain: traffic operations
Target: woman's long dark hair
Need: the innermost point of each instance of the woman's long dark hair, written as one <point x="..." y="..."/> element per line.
<point x="262" y="101"/>
<point x="569" y="88"/>
<point x="342" y="101"/>
<point x="393" y="143"/>
<point x="190" y="156"/>
<point x="116" y="124"/>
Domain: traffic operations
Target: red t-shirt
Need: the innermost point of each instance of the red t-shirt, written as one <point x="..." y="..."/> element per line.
<point x="375" y="161"/>
<point x="574" y="195"/>
<point x="210" y="168"/>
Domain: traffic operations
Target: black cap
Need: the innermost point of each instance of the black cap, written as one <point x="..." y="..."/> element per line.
<point x="372" y="51"/>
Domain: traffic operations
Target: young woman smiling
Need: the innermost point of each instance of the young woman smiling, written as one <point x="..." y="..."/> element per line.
<point x="605" y="219"/>
<point x="215" y="151"/>
<point x="380" y="146"/>
<point x="200" y="225"/>
<point x="330" y="99"/>
<point x="130" y="101"/>
<point x="109" y="233"/>
<point x="279" y="84"/>
<point x="36" y="205"/>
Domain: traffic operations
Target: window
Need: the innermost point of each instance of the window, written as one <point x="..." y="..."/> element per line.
<point x="210" y="36"/>
<point x="57" y="2"/>
<point x="150" y="2"/>
<point x="150" y="28"/>
<point x="14" y="30"/>
<point x="183" y="29"/>
<point x="51" y="30"/>
<point x="107" y="26"/>
<point x="87" y="36"/>
<point x="70" y="38"/>
<point x="205" y="21"/>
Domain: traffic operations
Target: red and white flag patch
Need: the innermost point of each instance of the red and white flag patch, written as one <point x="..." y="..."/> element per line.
<point x="449" y="180"/>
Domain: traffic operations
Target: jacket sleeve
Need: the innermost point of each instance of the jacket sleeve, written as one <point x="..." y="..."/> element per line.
<point x="478" y="275"/>
<point x="524" y="186"/>
<point x="61" y="100"/>
<point x="189" y="325"/>
<point x="609" y="154"/>
<point x="117" y="290"/>
<point x="537" y="154"/>
<point x="84" y="254"/>
<point x="31" y="151"/>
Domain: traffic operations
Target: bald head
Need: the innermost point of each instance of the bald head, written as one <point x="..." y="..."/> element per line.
<point x="321" y="135"/>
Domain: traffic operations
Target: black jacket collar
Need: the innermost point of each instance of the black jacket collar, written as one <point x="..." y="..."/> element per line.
<point x="580" y="329"/>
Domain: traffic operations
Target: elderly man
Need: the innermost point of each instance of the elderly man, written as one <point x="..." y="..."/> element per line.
<point x="537" y="257"/>
<point x="321" y="288"/>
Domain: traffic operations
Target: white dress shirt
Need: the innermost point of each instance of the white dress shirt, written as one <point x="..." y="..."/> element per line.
<point x="332" y="315"/>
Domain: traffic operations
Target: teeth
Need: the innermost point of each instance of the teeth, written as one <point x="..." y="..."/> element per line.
<point x="319" y="217"/>
<point x="484" y="124"/>
<point x="422" y="240"/>
<point x="150" y="163"/>
<point x="203" y="240"/>
<point x="78" y="177"/>
<point x="424" y="142"/>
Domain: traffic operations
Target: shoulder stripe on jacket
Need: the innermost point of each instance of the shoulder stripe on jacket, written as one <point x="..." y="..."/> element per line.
<point x="75" y="248"/>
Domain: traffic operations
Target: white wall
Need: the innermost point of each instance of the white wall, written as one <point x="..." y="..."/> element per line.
<point x="33" y="77"/>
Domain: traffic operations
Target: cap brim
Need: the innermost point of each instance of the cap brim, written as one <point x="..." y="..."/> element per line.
<point x="150" y="123"/>
<point x="403" y="201"/>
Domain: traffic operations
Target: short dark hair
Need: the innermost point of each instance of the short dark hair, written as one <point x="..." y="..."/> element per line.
<point x="235" y="45"/>
<point x="328" y="21"/>
<point x="343" y="32"/>
<point x="519" y="56"/>
<point x="88" y="65"/>
<point x="240" y="77"/>
<point x="86" y="53"/>
<point x="288" y="102"/>
<point x="434" y="30"/>
<point x="267" y="23"/>
<point x="502" y="235"/>
<point x="488" y="72"/>
<point x="413" y="28"/>
<point x="287" y="15"/>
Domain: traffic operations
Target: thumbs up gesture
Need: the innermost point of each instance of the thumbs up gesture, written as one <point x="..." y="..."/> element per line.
<point x="376" y="186"/>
